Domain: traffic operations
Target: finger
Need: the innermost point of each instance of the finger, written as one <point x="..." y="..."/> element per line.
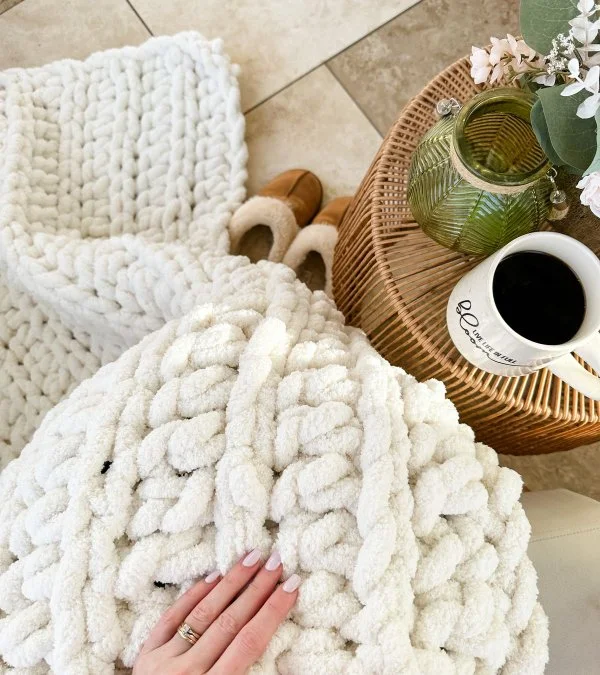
<point x="221" y="633"/>
<point x="172" y="618"/>
<point x="251" y="642"/>
<point x="208" y="609"/>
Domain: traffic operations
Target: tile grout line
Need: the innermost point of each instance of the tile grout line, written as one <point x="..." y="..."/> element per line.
<point x="285" y="86"/>
<point x="356" y="103"/>
<point x="134" y="10"/>
<point x="374" y="30"/>
<point x="7" y="5"/>
<point x="326" y="61"/>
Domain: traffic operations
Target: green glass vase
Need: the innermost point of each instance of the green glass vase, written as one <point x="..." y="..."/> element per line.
<point x="479" y="178"/>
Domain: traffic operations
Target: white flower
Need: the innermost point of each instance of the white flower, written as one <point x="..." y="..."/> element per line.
<point x="574" y="68"/>
<point x="591" y="192"/>
<point x="520" y="66"/>
<point x="480" y="65"/>
<point x="586" y="7"/>
<point x="546" y="79"/>
<point x="519" y="49"/>
<point x="591" y="84"/>
<point x="564" y="43"/>
<point x="497" y="73"/>
<point x="507" y="56"/>
<point x="584" y="30"/>
<point x="522" y="55"/>
<point x="498" y="51"/>
<point x="590" y="106"/>
<point x="562" y="50"/>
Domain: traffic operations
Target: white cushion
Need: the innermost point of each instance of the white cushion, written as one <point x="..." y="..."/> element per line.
<point x="565" y="550"/>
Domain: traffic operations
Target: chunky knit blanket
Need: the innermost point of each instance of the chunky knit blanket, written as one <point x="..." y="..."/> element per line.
<point x="106" y="168"/>
<point x="251" y="417"/>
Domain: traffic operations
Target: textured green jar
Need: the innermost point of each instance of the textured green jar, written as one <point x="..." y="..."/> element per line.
<point x="478" y="179"/>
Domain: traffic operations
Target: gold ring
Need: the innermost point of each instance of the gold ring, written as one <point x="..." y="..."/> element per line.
<point x="188" y="633"/>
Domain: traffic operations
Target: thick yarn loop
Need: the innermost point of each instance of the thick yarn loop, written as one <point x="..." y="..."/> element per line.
<point x="118" y="175"/>
<point x="266" y="424"/>
<point x="231" y="407"/>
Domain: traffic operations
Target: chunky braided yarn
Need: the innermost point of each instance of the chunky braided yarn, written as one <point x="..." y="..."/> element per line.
<point x="104" y="165"/>
<point x="254" y="417"/>
<point x="259" y="419"/>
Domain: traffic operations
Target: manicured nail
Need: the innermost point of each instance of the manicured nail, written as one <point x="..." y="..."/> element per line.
<point x="213" y="576"/>
<point x="273" y="562"/>
<point x="252" y="558"/>
<point x="292" y="583"/>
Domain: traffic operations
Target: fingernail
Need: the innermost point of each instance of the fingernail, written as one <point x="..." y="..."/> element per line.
<point x="292" y="583"/>
<point x="273" y="562"/>
<point x="213" y="576"/>
<point x="252" y="558"/>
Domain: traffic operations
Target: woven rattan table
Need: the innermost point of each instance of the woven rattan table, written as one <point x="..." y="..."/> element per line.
<point x="391" y="280"/>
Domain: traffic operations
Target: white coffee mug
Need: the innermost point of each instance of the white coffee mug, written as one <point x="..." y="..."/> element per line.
<point x="487" y="341"/>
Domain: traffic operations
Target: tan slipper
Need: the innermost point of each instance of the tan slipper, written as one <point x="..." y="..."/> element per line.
<point x="264" y="227"/>
<point x="311" y="253"/>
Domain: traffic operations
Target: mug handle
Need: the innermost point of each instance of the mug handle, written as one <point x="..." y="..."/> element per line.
<point x="575" y="375"/>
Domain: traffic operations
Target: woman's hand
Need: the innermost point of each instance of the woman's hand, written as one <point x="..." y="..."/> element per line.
<point x="230" y="620"/>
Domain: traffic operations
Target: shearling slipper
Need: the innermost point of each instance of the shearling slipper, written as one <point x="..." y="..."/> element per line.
<point x="311" y="256"/>
<point x="262" y="229"/>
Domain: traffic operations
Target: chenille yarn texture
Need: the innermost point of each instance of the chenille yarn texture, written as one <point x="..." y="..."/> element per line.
<point x="107" y="167"/>
<point x="254" y="417"/>
<point x="260" y="419"/>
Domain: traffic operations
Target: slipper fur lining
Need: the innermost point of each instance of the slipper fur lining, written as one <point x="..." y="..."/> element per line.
<point x="269" y="211"/>
<point x="319" y="238"/>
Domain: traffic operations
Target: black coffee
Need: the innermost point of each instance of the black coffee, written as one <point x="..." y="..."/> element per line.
<point x="539" y="297"/>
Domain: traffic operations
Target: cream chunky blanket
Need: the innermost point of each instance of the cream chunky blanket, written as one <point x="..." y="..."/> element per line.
<point x="252" y="417"/>
<point x="108" y="170"/>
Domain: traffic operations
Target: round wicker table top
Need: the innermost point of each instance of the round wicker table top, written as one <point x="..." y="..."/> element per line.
<point x="393" y="281"/>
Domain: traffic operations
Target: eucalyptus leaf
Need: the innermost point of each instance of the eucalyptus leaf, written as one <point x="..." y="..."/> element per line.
<point x="572" y="138"/>
<point x="540" y="128"/>
<point x="595" y="165"/>
<point x="543" y="20"/>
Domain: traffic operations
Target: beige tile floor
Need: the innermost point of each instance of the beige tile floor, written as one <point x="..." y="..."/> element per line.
<point x="275" y="41"/>
<point x="322" y="81"/>
<point x="386" y="69"/>
<point x="314" y="124"/>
